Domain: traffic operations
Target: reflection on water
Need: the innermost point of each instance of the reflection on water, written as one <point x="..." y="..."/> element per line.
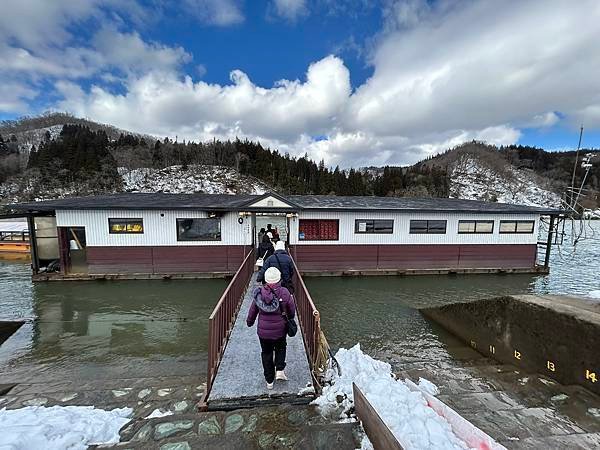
<point x="381" y="312"/>
<point x="107" y="329"/>
<point x="148" y="328"/>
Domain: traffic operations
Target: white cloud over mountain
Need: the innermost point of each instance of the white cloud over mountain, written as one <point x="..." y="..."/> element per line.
<point x="442" y="74"/>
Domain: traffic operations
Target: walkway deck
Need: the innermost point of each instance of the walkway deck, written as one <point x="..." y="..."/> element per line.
<point x="240" y="382"/>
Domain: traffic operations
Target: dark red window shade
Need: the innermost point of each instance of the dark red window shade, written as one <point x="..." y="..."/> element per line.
<point x="318" y="230"/>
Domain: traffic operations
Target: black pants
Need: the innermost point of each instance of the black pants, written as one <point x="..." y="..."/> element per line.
<point x="269" y="346"/>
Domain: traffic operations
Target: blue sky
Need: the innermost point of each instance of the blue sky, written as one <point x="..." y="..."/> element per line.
<point x="354" y="82"/>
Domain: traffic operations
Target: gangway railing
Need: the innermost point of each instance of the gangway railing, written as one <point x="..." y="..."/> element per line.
<point x="309" y="318"/>
<point x="222" y="319"/>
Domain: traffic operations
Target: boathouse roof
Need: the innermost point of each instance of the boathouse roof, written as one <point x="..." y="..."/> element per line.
<point x="227" y="202"/>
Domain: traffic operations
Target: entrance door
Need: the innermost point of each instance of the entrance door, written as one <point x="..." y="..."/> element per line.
<point x="278" y="221"/>
<point x="77" y="250"/>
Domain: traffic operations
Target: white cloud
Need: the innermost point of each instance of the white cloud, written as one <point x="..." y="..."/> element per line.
<point x="162" y="103"/>
<point x="442" y="75"/>
<point x="14" y="96"/>
<point x="216" y="12"/>
<point x="128" y="52"/>
<point x="290" y="9"/>
<point x="483" y="65"/>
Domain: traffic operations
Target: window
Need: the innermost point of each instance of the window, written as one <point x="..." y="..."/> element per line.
<point x="125" y="226"/>
<point x="427" y="227"/>
<point x="208" y="229"/>
<point x="373" y="226"/>
<point x="517" y="226"/>
<point x="318" y="230"/>
<point x="475" y="226"/>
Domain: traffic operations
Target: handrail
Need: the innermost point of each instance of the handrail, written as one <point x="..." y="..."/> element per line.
<point x="222" y="319"/>
<point x="309" y="318"/>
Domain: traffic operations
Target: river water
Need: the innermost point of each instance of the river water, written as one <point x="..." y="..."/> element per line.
<point x="87" y="330"/>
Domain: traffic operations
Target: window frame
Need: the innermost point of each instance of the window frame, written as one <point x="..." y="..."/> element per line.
<point x="219" y="239"/>
<point x="127" y="221"/>
<point x="515" y="230"/>
<point x="493" y="222"/>
<point x="373" y="229"/>
<point x="337" y="222"/>
<point x="427" y="229"/>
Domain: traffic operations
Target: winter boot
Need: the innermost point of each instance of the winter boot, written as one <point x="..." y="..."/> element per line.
<point x="269" y="386"/>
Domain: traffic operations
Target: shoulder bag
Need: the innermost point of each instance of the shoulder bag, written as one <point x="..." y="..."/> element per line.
<point x="291" y="325"/>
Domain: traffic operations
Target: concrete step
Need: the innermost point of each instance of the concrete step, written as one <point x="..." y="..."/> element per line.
<point x="284" y="426"/>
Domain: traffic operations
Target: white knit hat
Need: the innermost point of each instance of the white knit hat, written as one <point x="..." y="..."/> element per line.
<point x="280" y="245"/>
<point x="272" y="275"/>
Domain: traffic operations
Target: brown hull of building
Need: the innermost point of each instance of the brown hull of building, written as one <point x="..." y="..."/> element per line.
<point x="313" y="258"/>
<point x="165" y="260"/>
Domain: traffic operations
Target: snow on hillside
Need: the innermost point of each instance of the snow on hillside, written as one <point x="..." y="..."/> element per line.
<point x="194" y="178"/>
<point x="472" y="180"/>
<point x="29" y="138"/>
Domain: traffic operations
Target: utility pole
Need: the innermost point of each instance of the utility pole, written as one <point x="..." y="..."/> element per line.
<point x="572" y="191"/>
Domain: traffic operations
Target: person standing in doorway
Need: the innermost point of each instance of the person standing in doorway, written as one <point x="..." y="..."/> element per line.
<point x="260" y="236"/>
<point x="283" y="261"/>
<point x="265" y="249"/>
<point x="274" y="232"/>
<point x="271" y="302"/>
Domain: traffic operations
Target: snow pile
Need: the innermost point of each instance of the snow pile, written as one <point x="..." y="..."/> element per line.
<point x="60" y="427"/>
<point x="428" y="386"/>
<point x="405" y="412"/>
<point x="470" y="179"/>
<point x="159" y="413"/>
<point x="190" y="179"/>
<point x="594" y="294"/>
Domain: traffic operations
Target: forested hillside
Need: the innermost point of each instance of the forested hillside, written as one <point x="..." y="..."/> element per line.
<point x="40" y="158"/>
<point x="79" y="161"/>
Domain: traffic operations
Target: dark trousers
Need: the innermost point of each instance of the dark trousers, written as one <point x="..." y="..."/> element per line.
<point x="268" y="347"/>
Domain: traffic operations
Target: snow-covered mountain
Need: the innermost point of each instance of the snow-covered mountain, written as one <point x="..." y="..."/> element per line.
<point x="471" y="178"/>
<point x="30" y="131"/>
<point x="190" y="179"/>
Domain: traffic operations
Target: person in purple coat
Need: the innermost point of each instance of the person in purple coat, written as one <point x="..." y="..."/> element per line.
<point x="271" y="301"/>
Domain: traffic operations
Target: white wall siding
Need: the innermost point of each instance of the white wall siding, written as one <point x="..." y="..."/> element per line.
<point x="401" y="233"/>
<point x="158" y="230"/>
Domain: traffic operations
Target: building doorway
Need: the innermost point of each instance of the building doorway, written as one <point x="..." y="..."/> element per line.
<point x="77" y="250"/>
<point x="278" y="221"/>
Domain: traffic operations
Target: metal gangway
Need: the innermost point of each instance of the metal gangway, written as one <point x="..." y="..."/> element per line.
<point x="235" y="375"/>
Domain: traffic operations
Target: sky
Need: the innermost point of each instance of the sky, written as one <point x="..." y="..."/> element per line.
<point x="353" y="82"/>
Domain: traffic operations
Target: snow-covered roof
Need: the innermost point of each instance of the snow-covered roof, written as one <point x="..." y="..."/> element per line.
<point x="225" y="202"/>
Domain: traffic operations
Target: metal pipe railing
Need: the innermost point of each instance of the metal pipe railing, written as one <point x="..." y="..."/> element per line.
<point x="222" y="319"/>
<point x="308" y="316"/>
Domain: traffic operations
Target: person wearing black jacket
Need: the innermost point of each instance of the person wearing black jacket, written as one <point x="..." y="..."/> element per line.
<point x="283" y="261"/>
<point x="265" y="249"/>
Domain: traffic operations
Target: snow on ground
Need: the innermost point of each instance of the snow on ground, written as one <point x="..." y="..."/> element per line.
<point x="594" y="294"/>
<point x="190" y="179"/>
<point x="60" y="427"/>
<point x="405" y="412"/>
<point x="472" y="180"/>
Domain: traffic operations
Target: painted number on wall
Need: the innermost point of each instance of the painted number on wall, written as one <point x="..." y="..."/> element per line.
<point x="517" y="354"/>
<point x="590" y="376"/>
<point x="550" y="365"/>
<point x="492" y="350"/>
<point x="473" y="344"/>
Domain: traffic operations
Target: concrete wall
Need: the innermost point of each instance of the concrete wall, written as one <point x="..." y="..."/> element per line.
<point x="556" y="336"/>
